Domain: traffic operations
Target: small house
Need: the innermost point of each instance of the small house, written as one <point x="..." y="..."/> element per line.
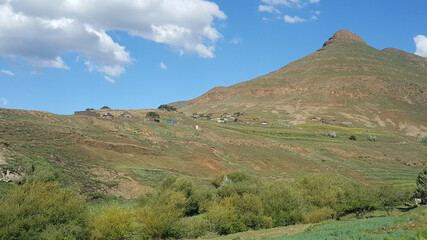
<point x="264" y="123"/>
<point x="107" y="116"/>
<point x="126" y="114"/>
<point x="221" y="120"/>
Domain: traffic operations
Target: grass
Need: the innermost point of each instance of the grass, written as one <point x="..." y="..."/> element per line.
<point x="367" y="229"/>
<point x="152" y="177"/>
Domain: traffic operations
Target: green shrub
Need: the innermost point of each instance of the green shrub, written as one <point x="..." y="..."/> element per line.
<point x="390" y="197"/>
<point x="113" y="224"/>
<point x="192" y="227"/>
<point x="223" y="219"/>
<point x="352" y="138"/>
<point x="250" y="211"/>
<point x="42" y="210"/>
<point x="318" y="215"/>
<point x="423" y="140"/>
<point x="421" y="183"/>
<point x="283" y="204"/>
<point x="152" y="115"/>
<point x="233" y="177"/>
<point x="167" y="108"/>
<point x="159" y="217"/>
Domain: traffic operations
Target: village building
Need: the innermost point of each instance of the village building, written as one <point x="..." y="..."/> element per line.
<point x="264" y="123"/>
<point x="107" y="116"/>
<point x="126" y="114"/>
<point x="221" y="120"/>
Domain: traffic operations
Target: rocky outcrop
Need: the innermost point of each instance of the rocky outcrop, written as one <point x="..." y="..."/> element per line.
<point x="7" y="175"/>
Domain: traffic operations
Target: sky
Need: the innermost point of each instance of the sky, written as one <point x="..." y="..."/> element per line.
<point x="63" y="56"/>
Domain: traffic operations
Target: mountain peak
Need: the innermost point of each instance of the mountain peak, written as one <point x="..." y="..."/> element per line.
<point x="344" y="35"/>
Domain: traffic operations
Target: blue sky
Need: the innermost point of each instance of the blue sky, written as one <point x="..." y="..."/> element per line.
<point x="67" y="55"/>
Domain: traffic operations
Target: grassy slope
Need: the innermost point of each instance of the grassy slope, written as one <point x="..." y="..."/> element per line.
<point x="402" y="225"/>
<point x="347" y="81"/>
<point x="128" y="156"/>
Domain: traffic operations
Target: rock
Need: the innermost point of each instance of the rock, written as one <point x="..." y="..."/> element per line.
<point x="7" y="175"/>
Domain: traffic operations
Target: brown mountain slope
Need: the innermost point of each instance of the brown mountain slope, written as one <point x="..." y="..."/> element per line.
<point x="345" y="80"/>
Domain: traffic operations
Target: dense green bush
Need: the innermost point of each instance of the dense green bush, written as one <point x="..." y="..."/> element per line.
<point x="223" y="219"/>
<point x="167" y="108"/>
<point x="111" y="225"/>
<point x="152" y="115"/>
<point x="421" y="191"/>
<point x="283" y="204"/>
<point x="42" y="211"/>
<point x="158" y="219"/>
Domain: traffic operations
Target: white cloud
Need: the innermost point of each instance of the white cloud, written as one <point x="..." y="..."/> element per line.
<point x="114" y="70"/>
<point x="295" y="19"/>
<point x="163" y="66"/>
<point x="273" y="6"/>
<point x="43" y="30"/>
<point x="421" y="45"/>
<point x="236" y="41"/>
<point x="109" y="79"/>
<point x="7" y="72"/>
<point x="4" y="101"/>
<point x="267" y="8"/>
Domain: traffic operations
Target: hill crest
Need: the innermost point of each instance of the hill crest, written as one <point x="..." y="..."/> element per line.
<point x="344" y="35"/>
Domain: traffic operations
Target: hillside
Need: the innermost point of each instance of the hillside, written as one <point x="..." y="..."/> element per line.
<point x="346" y="80"/>
<point x="347" y="109"/>
<point x="128" y="156"/>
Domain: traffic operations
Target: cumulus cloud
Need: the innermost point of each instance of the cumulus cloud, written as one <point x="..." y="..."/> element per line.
<point x="7" y="72"/>
<point x="109" y="79"/>
<point x="42" y="30"/>
<point x="295" y="19"/>
<point x="421" y="45"/>
<point x="4" y="101"/>
<point x="163" y="66"/>
<point x="273" y="6"/>
<point x="114" y="71"/>
<point x="267" y="8"/>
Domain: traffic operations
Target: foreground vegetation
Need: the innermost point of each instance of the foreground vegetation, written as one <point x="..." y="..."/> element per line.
<point x="181" y="208"/>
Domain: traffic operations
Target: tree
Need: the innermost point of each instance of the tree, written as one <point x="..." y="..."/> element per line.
<point x="114" y="224"/>
<point x="167" y="108"/>
<point x="421" y="182"/>
<point x="388" y="197"/>
<point x="152" y="115"/>
<point x="42" y="211"/>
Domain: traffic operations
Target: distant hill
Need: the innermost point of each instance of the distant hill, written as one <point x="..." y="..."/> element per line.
<point x="346" y="80"/>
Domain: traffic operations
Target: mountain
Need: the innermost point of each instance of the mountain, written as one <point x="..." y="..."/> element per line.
<point x="346" y="109"/>
<point x="346" y="80"/>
